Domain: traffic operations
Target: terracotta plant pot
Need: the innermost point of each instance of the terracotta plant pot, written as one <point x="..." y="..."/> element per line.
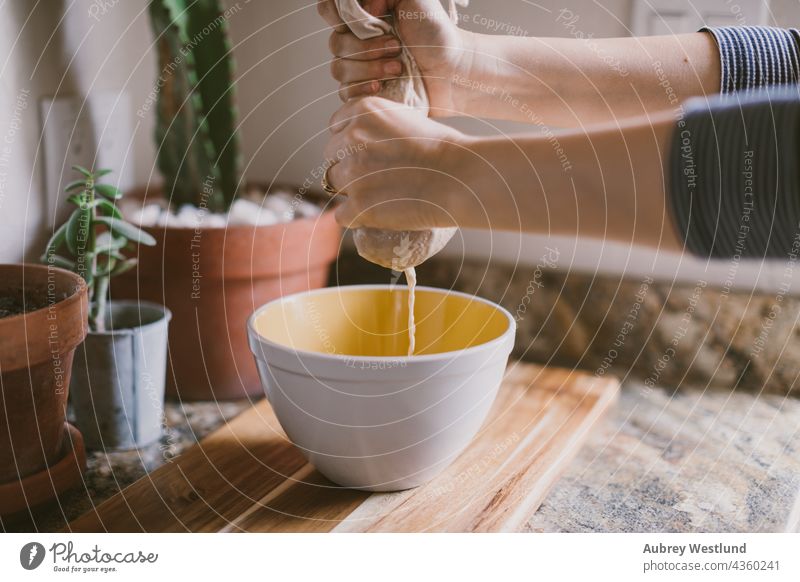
<point x="212" y="279"/>
<point x="36" y="350"/>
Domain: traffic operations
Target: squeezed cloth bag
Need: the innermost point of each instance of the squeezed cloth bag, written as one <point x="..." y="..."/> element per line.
<point x="397" y="250"/>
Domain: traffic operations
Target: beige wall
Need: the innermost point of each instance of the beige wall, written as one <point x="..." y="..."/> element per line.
<point x="49" y="51"/>
<point x="285" y="100"/>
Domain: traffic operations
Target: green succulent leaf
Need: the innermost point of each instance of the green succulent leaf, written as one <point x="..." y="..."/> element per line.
<point x="78" y="227"/>
<point x="56" y="240"/>
<point x="121" y="228"/>
<point x="123" y="266"/>
<point x="103" y="172"/>
<point x="82" y="170"/>
<point x="108" y="191"/>
<point x="76" y="185"/>
<point x="58" y="261"/>
<point x="109" y="207"/>
<point x="105" y="270"/>
<point x="118" y="256"/>
<point x="76" y="199"/>
<point x="110" y="250"/>
<point x="105" y="243"/>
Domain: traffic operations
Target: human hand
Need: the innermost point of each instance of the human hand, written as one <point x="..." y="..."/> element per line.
<point x="395" y="167"/>
<point x="437" y="44"/>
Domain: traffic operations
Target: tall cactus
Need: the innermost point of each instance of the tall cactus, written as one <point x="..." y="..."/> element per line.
<point x="198" y="147"/>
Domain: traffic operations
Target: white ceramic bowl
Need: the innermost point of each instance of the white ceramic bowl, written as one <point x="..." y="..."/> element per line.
<point x="334" y="367"/>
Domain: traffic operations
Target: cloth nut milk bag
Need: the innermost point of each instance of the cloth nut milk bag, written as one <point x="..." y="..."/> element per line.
<point x="397" y="250"/>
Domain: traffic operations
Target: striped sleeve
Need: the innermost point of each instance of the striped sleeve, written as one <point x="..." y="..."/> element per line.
<point x="734" y="172"/>
<point x="734" y="175"/>
<point x="752" y="57"/>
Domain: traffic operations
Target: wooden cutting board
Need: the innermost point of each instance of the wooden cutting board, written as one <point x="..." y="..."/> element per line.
<point x="247" y="476"/>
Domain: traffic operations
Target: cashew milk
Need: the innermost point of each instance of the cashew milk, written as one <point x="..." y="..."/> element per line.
<point x="411" y="279"/>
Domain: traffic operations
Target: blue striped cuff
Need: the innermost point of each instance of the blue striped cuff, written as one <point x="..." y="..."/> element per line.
<point x="734" y="177"/>
<point x="756" y="56"/>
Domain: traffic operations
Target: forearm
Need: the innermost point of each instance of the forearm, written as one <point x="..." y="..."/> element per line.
<point x="608" y="183"/>
<point x="568" y="82"/>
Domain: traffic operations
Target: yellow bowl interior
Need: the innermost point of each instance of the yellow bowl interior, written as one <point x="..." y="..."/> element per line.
<point x="374" y="322"/>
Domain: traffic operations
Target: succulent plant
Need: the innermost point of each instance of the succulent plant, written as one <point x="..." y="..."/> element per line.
<point x="93" y="239"/>
<point x="198" y="147"/>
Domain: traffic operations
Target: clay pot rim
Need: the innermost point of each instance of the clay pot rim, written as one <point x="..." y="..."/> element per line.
<point x="75" y="296"/>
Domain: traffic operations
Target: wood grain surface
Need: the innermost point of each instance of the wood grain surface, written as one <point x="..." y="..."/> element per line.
<point x="247" y="477"/>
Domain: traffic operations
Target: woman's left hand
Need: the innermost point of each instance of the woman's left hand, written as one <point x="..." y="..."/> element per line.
<point x="395" y="166"/>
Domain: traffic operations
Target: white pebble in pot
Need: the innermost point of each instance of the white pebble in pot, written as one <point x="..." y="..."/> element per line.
<point x="148" y="215"/>
<point x="281" y="205"/>
<point x="248" y="212"/>
<point x="308" y="210"/>
<point x="188" y="215"/>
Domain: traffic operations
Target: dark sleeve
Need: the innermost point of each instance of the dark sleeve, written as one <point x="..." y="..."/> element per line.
<point x="752" y="57"/>
<point x="735" y="177"/>
<point x="734" y="180"/>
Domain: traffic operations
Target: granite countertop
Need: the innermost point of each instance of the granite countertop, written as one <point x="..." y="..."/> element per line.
<point x="688" y="461"/>
<point x="663" y="461"/>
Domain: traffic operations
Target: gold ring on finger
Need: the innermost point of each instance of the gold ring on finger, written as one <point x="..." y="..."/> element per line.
<point x="326" y="183"/>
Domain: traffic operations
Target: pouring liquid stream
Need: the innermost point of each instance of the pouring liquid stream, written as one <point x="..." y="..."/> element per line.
<point x="411" y="280"/>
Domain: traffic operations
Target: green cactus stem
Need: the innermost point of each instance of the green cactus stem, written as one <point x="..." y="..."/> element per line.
<point x="196" y="139"/>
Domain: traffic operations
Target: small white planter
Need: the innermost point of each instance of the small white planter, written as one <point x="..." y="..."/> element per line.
<point x="117" y="386"/>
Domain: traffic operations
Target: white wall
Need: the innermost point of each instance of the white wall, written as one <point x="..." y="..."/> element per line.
<point x="56" y="48"/>
<point x="285" y="100"/>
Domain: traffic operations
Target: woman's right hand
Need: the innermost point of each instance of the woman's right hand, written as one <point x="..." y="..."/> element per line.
<point x="437" y="44"/>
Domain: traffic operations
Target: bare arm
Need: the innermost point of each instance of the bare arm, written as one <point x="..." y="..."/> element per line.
<point x="410" y="172"/>
<point x="604" y="183"/>
<point x="570" y="82"/>
<point x="565" y="82"/>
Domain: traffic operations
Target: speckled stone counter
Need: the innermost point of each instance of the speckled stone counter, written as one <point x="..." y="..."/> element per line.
<point x="693" y="461"/>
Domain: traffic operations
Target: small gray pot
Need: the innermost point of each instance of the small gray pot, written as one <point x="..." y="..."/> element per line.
<point x="117" y="386"/>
